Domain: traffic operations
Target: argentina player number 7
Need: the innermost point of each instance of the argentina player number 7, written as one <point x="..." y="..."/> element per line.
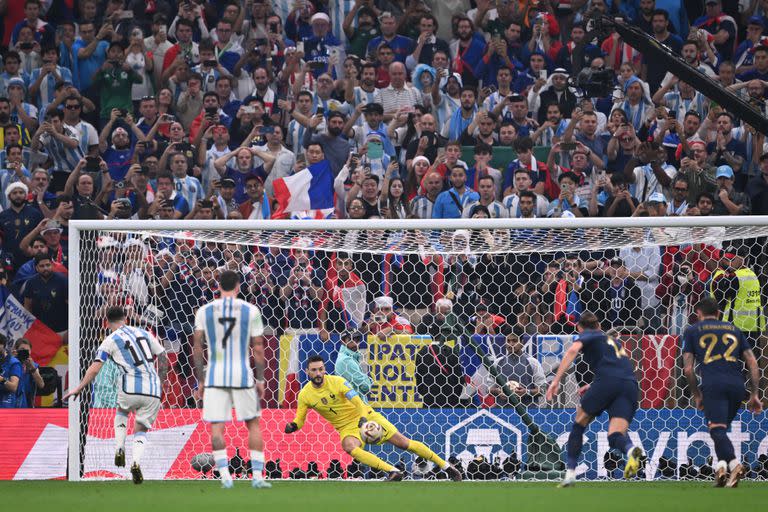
<point x="229" y="323"/>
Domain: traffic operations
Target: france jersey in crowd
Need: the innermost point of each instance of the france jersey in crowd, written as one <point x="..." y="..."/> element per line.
<point x="134" y="351"/>
<point x="229" y="324"/>
<point x="605" y="356"/>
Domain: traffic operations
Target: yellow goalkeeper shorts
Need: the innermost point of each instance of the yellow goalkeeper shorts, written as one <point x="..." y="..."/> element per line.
<point x="352" y="430"/>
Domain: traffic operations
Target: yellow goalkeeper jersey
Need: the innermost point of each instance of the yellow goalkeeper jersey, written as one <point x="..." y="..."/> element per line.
<point x="335" y="400"/>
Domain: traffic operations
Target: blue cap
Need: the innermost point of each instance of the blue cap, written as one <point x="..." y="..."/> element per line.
<point x="756" y="20"/>
<point x="657" y="197"/>
<point x="724" y="171"/>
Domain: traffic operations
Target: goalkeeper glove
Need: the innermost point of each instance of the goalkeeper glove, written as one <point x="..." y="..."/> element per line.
<point x="291" y="427"/>
<point x="363" y="421"/>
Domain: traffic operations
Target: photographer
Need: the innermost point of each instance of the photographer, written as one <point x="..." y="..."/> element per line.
<point x="10" y="376"/>
<point x="523" y="373"/>
<point x="30" y="380"/>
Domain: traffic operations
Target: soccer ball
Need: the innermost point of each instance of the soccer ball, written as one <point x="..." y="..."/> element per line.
<point x="370" y="432"/>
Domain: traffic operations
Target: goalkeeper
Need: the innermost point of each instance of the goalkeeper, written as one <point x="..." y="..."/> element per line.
<point x="335" y="400"/>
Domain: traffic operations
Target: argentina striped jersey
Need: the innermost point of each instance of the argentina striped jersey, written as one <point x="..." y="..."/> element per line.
<point x="228" y="325"/>
<point x="134" y="351"/>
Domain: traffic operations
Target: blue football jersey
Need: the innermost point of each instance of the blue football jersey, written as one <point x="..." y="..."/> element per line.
<point x="717" y="347"/>
<point x="605" y="356"/>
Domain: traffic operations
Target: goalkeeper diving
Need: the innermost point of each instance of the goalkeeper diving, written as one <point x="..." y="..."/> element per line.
<point x="336" y="401"/>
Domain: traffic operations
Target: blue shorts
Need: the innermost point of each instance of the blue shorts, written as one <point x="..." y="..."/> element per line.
<point x="619" y="397"/>
<point x="722" y="402"/>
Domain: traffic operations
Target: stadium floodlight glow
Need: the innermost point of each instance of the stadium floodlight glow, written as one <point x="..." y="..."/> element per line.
<point x="499" y="264"/>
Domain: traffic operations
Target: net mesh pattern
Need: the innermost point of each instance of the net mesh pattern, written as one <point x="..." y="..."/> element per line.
<point x="480" y="321"/>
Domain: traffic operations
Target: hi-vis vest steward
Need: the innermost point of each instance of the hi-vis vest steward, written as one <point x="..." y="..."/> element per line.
<point x="746" y="310"/>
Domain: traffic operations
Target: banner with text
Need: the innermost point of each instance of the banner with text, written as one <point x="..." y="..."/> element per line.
<point x="39" y="446"/>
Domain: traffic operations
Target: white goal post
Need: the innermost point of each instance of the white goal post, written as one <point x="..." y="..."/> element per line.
<point x="491" y="275"/>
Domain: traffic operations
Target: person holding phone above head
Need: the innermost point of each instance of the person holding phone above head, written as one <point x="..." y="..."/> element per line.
<point x="568" y="201"/>
<point x="114" y="82"/>
<point x="697" y="171"/>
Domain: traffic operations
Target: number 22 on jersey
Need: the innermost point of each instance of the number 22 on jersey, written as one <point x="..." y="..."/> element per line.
<point x="709" y="342"/>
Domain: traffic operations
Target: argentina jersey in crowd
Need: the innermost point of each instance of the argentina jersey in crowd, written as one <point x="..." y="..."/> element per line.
<point x="717" y="347"/>
<point x="606" y="357"/>
<point x="229" y="324"/>
<point x="134" y="350"/>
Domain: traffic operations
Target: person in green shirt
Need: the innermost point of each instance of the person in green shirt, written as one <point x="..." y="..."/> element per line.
<point x="367" y="28"/>
<point x="114" y="81"/>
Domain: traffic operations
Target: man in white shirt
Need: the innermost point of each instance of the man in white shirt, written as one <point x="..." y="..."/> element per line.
<point x="398" y="94"/>
<point x="649" y="173"/>
<point x="644" y="265"/>
<point x="523" y="183"/>
<point x="284" y="157"/>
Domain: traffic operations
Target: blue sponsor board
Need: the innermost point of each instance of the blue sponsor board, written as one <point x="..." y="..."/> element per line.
<point x="678" y="434"/>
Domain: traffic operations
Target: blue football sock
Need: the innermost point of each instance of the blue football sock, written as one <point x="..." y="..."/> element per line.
<point x="619" y="441"/>
<point x="723" y="445"/>
<point x="575" y="442"/>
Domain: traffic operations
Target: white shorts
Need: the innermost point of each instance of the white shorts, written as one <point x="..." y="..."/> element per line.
<point x="145" y="408"/>
<point x="218" y="402"/>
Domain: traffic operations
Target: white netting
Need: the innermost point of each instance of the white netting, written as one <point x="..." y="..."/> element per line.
<point x="457" y="293"/>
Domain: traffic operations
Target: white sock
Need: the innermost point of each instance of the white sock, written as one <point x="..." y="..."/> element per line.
<point x="732" y="465"/>
<point x="121" y="427"/>
<point x="721" y="464"/>
<point x="570" y="474"/>
<point x="257" y="464"/>
<point x="139" y="443"/>
<point x="222" y="463"/>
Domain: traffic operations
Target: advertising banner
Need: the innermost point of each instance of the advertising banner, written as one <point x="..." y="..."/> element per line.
<point x="39" y="447"/>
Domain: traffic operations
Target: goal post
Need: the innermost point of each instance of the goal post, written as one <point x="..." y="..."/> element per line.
<point x="443" y="363"/>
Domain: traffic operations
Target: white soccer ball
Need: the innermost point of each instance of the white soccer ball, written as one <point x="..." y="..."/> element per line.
<point x="371" y="432"/>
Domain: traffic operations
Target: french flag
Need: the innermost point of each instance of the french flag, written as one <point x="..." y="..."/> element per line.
<point x="310" y="189"/>
<point x="16" y="322"/>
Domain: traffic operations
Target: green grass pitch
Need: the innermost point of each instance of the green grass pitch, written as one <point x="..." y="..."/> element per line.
<point x="380" y="496"/>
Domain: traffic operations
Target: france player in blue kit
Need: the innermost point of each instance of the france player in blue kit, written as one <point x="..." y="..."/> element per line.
<point x="613" y="389"/>
<point x="719" y="348"/>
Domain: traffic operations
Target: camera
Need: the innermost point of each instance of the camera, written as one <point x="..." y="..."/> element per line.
<point x="92" y="164"/>
<point x="22" y="354"/>
<point x="210" y="63"/>
<point x="122" y="112"/>
<point x="120" y="185"/>
<point x="26" y="46"/>
<point x="273" y="27"/>
<point x="211" y="111"/>
<point x="595" y="83"/>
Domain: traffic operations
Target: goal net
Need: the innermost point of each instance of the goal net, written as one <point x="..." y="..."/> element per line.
<point x="451" y="329"/>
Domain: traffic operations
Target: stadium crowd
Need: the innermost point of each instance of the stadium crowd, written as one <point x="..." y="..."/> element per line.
<point x="162" y="109"/>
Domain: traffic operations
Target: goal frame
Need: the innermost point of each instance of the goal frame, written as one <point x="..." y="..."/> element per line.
<point x="76" y="227"/>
